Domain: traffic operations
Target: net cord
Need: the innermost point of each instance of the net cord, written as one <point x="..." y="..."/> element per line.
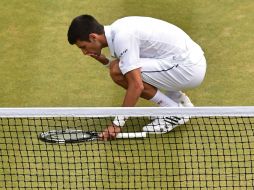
<point x="126" y="111"/>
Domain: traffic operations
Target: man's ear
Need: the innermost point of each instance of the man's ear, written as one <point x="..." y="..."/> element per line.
<point x="92" y="37"/>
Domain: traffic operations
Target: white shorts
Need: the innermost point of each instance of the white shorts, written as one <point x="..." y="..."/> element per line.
<point x="172" y="76"/>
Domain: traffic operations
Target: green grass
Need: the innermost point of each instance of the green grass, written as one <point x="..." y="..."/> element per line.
<point x="204" y="153"/>
<point x="39" y="68"/>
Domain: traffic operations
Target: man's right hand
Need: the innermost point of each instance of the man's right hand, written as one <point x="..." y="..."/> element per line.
<point x="110" y="132"/>
<point x="101" y="58"/>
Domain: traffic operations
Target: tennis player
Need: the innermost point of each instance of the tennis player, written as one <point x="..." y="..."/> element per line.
<point x="150" y="55"/>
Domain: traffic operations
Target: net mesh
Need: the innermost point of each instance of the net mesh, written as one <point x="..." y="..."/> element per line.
<point x="207" y="152"/>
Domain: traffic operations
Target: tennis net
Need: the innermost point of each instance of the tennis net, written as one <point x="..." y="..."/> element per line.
<point x="213" y="150"/>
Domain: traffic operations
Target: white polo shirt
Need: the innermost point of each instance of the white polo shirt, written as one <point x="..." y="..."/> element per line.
<point x="132" y="38"/>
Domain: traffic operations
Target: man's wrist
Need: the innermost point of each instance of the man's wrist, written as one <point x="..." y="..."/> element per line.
<point x="109" y="62"/>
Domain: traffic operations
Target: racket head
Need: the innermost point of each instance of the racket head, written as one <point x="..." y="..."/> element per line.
<point x="68" y="136"/>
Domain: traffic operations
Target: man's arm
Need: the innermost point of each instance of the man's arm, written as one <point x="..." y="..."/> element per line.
<point x="134" y="81"/>
<point x="133" y="92"/>
<point x="101" y="58"/>
<point x="135" y="88"/>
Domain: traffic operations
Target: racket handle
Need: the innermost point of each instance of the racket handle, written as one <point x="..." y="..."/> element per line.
<point x="131" y="135"/>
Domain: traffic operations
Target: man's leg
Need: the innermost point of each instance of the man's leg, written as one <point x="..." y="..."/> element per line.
<point x="172" y="77"/>
<point x="150" y="92"/>
<point x="116" y="75"/>
<point x="180" y="98"/>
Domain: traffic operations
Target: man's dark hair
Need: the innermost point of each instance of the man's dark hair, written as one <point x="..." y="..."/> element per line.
<point x="82" y="26"/>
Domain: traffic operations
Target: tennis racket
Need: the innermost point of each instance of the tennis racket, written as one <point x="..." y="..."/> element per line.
<point x="74" y="136"/>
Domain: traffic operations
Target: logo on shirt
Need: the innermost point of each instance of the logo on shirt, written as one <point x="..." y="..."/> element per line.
<point x="121" y="54"/>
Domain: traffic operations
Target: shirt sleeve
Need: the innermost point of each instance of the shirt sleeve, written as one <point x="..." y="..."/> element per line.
<point x="127" y="51"/>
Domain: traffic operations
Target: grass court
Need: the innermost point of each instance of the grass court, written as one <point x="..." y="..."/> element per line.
<point x="38" y="68"/>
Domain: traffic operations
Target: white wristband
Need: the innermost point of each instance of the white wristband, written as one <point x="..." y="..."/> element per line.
<point x="109" y="62"/>
<point x="120" y="121"/>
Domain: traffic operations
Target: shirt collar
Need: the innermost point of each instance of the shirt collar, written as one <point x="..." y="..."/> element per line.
<point x="110" y="38"/>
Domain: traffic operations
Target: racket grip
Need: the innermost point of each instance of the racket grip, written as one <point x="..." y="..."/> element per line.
<point x="131" y="135"/>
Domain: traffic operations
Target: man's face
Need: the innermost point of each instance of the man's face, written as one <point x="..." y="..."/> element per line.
<point x="90" y="48"/>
